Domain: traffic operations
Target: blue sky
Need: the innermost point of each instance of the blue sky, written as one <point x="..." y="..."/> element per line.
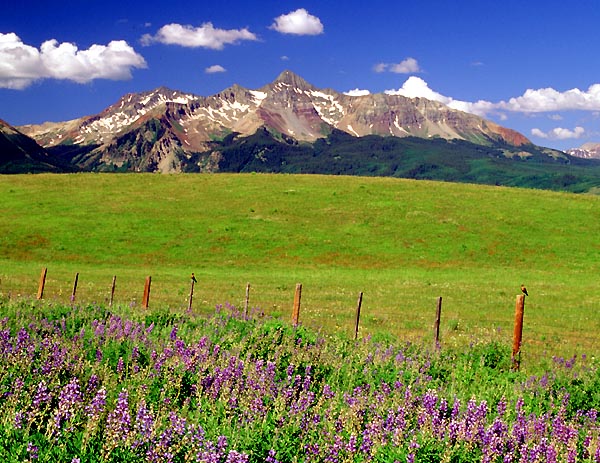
<point x="529" y="65"/>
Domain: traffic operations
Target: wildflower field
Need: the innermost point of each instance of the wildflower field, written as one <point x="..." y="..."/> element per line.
<point x="82" y="381"/>
<point x="88" y="384"/>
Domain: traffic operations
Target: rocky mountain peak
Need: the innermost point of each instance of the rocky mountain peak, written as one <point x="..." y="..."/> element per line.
<point x="587" y="151"/>
<point x="293" y="80"/>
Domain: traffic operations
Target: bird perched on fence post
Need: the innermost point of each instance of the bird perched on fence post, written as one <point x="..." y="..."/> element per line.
<point x="524" y="290"/>
<point x="193" y="277"/>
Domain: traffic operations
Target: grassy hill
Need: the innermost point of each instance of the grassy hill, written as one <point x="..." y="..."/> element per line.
<point x="402" y="242"/>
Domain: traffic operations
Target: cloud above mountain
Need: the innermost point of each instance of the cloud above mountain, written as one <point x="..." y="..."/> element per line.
<point x="22" y="64"/>
<point x="415" y="87"/>
<point x="357" y="92"/>
<point x="298" y="22"/>
<point x="532" y="101"/>
<point x="406" y="66"/>
<point x="205" y="36"/>
<point x="549" y="99"/>
<point x="559" y="133"/>
<point x="215" y="69"/>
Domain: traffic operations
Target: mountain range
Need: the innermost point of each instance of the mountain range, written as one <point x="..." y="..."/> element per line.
<point x="586" y="151"/>
<point x="287" y="125"/>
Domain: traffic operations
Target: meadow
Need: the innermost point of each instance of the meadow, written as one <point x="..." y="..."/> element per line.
<point x="401" y="242"/>
<point x="84" y="382"/>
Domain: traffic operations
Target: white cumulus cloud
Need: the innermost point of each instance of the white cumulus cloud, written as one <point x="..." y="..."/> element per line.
<point x="415" y="87"/>
<point x="549" y="99"/>
<point x="215" y="68"/>
<point x="357" y="92"/>
<point x="406" y="66"/>
<point x="298" y="22"/>
<point x="532" y="101"/>
<point x="21" y="64"/>
<point x="559" y="133"/>
<point x="205" y="36"/>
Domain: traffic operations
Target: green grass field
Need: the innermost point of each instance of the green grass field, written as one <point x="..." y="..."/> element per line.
<point x="403" y="243"/>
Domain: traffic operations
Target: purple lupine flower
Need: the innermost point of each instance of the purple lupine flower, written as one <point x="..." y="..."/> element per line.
<point x="96" y="406"/>
<point x="118" y="422"/>
<point x="221" y="444"/>
<point x="178" y="425"/>
<point x="180" y="347"/>
<point x="69" y="401"/>
<point x="150" y="328"/>
<point x="42" y="395"/>
<point x="32" y="450"/>
<point x="127" y="328"/>
<point x="23" y="339"/>
<point x="144" y="424"/>
<point x="413" y="446"/>
<point x="236" y="457"/>
<point x="92" y="384"/>
<point x="327" y="392"/>
<point x="173" y="335"/>
<point x="501" y="407"/>
<point x="550" y="454"/>
<point x="99" y="329"/>
<point x="367" y="442"/>
<point x="18" y="423"/>
<point x="352" y="446"/>
<point x="120" y="366"/>
<point x="17" y="386"/>
<point x="271" y="457"/>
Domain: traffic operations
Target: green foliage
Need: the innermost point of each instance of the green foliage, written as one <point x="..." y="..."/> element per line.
<point x="339" y="153"/>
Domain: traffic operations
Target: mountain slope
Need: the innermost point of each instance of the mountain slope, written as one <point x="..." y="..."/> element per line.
<point x="409" y="157"/>
<point x="21" y="154"/>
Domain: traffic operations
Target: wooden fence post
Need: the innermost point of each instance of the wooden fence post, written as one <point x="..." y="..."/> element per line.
<point x="112" y="291"/>
<point x="146" y="298"/>
<point x="191" y="293"/>
<point x="296" y="311"/>
<point x="74" y="287"/>
<point x="357" y="320"/>
<point x="436" y="326"/>
<point x="40" y="293"/>
<point x="518" y="331"/>
<point x="247" y="300"/>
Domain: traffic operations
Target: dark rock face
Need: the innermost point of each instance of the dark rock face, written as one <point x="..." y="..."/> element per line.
<point x="21" y="154"/>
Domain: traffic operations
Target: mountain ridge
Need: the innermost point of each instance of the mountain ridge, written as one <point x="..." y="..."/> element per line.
<point x="289" y="105"/>
<point x="291" y="126"/>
